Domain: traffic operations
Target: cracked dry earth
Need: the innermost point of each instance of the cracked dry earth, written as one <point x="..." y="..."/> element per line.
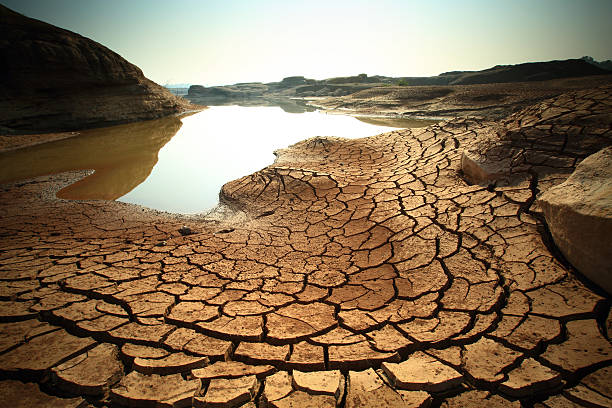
<point x="353" y="273"/>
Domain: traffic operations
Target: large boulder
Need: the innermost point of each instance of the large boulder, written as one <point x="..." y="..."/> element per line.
<point x="53" y="79"/>
<point x="579" y="216"/>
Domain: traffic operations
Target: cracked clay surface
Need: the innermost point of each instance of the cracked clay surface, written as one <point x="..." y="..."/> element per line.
<point x="349" y="273"/>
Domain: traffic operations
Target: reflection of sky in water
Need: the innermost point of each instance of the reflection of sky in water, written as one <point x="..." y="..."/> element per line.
<point x="223" y="143"/>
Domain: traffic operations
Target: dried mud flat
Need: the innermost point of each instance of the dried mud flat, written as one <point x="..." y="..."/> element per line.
<point x="354" y="273"/>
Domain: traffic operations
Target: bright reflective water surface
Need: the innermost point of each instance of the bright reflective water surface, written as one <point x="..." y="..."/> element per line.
<point x="179" y="165"/>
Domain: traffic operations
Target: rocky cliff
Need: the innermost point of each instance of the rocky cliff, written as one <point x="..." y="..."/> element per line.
<point x="54" y="79"/>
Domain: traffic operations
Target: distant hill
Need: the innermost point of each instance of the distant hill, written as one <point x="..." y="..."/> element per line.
<point x="530" y="71"/>
<point x="299" y="86"/>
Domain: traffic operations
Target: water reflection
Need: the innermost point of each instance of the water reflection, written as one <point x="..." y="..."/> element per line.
<point x="139" y="163"/>
<point x="286" y="104"/>
<point x="122" y="157"/>
<point x="397" y="122"/>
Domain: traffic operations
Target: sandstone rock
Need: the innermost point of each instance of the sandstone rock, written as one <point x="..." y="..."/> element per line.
<point x="136" y="389"/>
<point x="16" y="394"/>
<point x="232" y="369"/>
<point x="530" y="378"/>
<point x="90" y="373"/>
<point x="579" y="215"/>
<point x="421" y="372"/>
<point x="85" y="83"/>
<point x="228" y="393"/>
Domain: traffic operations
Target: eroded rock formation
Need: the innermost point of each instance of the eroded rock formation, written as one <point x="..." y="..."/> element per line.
<point x="53" y="79"/>
<point x="579" y="215"/>
<point x="346" y="265"/>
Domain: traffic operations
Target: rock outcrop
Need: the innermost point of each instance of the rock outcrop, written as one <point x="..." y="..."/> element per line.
<point x="53" y="79"/>
<point x="579" y="215"/>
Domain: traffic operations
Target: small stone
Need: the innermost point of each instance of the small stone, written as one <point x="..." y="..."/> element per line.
<point x="136" y="389"/>
<point x="228" y="393"/>
<point x="231" y="369"/>
<point x="530" y="378"/>
<point x="185" y="230"/>
<point x="421" y="372"/>
<point x="91" y="373"/>
<point x="319" y="382"/>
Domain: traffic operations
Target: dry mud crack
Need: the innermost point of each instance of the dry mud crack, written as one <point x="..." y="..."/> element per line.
<point x="354" y="273"/>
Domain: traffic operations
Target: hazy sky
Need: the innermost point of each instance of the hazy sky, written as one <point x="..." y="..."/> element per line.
<point x="227" y="41"/>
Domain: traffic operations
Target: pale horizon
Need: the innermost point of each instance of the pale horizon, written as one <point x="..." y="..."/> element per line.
<point x="217" y="43"/>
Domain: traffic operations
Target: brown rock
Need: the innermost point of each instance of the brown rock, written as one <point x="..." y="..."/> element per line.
<point x="90" y="373"/>
<point x="136" y="389"/>
<point x="579" y="215"/>
<point x="86" y="84"/>
<point x="232" y="369"/>
<point x="530" y="378"/>
<point x="421" y="372"/>
<point x="16" y="394"/>
<point x="228" y="393"/>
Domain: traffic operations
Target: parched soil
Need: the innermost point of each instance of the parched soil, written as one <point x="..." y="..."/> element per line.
<point x="351" y="273"/>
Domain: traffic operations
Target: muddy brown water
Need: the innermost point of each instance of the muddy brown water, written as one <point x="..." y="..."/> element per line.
<point x="179" y="164"/>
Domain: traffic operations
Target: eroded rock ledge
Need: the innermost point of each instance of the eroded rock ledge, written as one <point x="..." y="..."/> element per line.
<point x="354" y="264"/>
<point x="56" y="80"/>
